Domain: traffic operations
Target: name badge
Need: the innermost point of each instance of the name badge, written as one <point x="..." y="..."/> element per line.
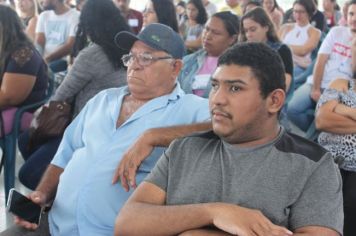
<point x="133" y="22"/>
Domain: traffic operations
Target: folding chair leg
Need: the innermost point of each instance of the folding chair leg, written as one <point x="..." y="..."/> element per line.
<point x="9" y="164"/>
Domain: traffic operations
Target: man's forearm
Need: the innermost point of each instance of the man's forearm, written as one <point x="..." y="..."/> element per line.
<point x="148" y="219"/>
<point x="319" y="71"/>
<point x="205" y="232"/>
<point x="162" y="137"/>
<point x="60" y="52"/>
<point x="49" y="182"/>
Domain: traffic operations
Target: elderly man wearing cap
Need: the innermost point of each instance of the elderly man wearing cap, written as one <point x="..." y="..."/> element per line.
<point x="78" y="180"/>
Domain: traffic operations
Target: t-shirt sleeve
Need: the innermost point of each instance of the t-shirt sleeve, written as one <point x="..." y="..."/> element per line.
<point x="329" y="94"/>
<point x="320" y="203"/>
<point x="24" y="61"/>
<point x="328" y="43"/>
<point x="286" y="56"/>
<point x="40" y="28"/>
<point x="73" y="24"/>
<point x="159" y="174"/>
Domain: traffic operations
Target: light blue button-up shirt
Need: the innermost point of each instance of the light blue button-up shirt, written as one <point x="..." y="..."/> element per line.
<point x="86" y="202"/>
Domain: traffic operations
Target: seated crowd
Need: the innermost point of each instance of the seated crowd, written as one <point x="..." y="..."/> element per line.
<point x="186" y="118"/>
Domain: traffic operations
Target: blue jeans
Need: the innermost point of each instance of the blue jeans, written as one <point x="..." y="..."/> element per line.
<point x="58" y="65"/>
<point x="300" y="106"/>
<point x="36" y="160"/>
<point x="301" y="78"/>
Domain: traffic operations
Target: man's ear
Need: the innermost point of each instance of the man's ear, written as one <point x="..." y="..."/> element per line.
<point x="275" y="100"/>
<point x="177" y="66"/>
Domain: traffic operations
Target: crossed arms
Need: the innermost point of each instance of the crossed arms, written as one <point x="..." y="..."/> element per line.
<point x="145" y="213"/>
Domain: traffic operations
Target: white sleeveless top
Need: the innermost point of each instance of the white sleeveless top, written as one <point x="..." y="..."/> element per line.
<point x="299" y="36"/>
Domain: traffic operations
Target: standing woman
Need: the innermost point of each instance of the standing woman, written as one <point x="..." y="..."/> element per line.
<point x="160" y="11"/>
<point x="28" y="12"/>
<point x="194" y="26"/>
<point x="98" y="66"/>
<point x="301" y="37"/>
<point x="23" y="72"/>
<point x="274" y="11"/>
<point x="336" y="118"/>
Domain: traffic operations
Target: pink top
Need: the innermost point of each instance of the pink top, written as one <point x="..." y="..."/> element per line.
<point x="202" y="78"/>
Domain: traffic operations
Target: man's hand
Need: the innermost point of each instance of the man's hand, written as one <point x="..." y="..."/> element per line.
<point x="242" y="221"/>
<point x="130" y="162"/>
<point x="38" y="198"/>
<point x="315" y="94"/>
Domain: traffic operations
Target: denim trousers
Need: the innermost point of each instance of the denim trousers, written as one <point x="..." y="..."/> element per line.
<point x="300" y="107"/>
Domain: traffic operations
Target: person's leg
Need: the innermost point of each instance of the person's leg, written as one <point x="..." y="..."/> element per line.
<point x="58" y="65"/>
<point x="298" y="106"/>
<point x="349" y="194"/>
<point x="42" y="230"/>
<point x="36" y="164"/>
<point x="22" y="142"/>
<point x="297" y="70"/>
<point x="300" y="79"/>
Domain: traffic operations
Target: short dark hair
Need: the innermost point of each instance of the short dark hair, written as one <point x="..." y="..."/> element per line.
<point x="308" y="5"/>
<point x="202" y="15"/>
<point x="231" y="22"/>
<point x="264" y="62"/>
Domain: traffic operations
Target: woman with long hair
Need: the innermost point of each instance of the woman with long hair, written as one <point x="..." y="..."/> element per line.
<point x="28" y="12"/>
<point x="301" y="37"/>
<point x="98" y="66"/>
<point x="274" y="11"/>
<point x="220" y="32"/>
<point x="194" y="25"/>
<point x="331" y="12"/>
<point x="256" y="26"/>
<point x="160" y="11"/>
<point x="23" y="72"/>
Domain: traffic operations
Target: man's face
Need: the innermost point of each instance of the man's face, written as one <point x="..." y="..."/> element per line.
<point x="48" y="4"/>
<point x="236" y="104"/>
<point x="123" y="5"/>
<point x="154" y="80"/>
<point x="351" y="18"/>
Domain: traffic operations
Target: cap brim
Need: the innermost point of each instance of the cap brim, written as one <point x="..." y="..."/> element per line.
<point x="125" y="40"/>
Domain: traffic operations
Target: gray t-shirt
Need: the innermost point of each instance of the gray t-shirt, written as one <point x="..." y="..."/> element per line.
<point x="293" y="181"/>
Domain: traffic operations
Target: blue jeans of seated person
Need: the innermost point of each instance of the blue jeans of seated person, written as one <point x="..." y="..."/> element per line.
<point x="298" y="106"/>
<point x="58" y="65"/>
<point x="37" y="160"/>
<point x="301" y="78"/>
<point x="297" y="70"/>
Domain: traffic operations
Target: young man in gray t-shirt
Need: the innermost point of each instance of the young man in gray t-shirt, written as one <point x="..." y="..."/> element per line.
<point x="246" y="177"/>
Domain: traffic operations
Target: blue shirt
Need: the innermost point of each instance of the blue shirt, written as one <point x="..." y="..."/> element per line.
<point x="86" y="202"/>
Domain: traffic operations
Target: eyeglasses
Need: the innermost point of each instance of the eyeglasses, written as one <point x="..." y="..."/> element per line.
<point x="299" y="11"/>
<point x="143" y="59"/>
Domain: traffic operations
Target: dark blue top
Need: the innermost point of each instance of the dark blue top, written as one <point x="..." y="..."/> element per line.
<point x="27" y="60"/>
